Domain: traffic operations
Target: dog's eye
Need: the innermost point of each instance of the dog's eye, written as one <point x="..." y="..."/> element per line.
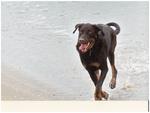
<point x="90" y="32"/>
<point x="81" y="31"/>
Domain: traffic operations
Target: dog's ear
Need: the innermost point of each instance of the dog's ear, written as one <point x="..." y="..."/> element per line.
<point x="77" y="26"/>
<point x="99" y="30"/>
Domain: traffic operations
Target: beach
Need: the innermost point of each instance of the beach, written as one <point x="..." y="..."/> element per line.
<point x="39" y="58"/>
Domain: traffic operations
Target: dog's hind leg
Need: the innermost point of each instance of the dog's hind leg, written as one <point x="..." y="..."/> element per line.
<point x="111" y="57"/>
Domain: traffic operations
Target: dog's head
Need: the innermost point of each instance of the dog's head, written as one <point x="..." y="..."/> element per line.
<point x="88" y="34"/>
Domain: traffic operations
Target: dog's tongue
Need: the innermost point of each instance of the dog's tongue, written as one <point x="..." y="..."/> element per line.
<point x="83" y="47"/>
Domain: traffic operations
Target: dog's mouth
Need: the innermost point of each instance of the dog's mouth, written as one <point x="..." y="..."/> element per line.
<point x="84" y="46"/>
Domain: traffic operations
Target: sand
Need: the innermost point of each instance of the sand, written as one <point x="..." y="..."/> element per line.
<point x="40" y="61"/>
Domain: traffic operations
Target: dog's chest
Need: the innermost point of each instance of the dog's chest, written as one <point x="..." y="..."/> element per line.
<point x="91" y="65"/>
<point x="94" y="64"/>
<point x="92" y="60"/>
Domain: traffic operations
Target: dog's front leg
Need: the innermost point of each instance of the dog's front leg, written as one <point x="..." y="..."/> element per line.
<point x="99" y="94"/>
<point x="94" y="75"/>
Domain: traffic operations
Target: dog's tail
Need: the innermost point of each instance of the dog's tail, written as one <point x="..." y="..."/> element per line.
<point x="117" y="30"/>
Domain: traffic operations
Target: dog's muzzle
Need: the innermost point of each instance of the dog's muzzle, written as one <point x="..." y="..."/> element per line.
<point x="85" y="45"/>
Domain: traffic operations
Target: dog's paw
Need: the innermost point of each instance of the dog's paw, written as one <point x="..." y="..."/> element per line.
<point x="98" y="98"/>
<point x="101" y="95"/>
<point x="112" y="84"/>
<point x="105" y="95"/>
<point x="98" y="95"/>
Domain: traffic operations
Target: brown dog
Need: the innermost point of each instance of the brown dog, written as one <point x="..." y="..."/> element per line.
<point x="95" y="44"/>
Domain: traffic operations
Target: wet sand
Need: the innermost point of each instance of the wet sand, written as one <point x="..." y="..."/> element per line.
<point x="40" y="61"/>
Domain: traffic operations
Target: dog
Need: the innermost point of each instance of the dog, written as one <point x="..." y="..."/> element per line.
<point x="96" y="43"/>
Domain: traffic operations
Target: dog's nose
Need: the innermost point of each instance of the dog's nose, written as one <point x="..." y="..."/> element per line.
<point x="82" y="40"/>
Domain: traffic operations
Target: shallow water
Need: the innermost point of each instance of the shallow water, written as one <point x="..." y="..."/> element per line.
<point x="40" y="61"/>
